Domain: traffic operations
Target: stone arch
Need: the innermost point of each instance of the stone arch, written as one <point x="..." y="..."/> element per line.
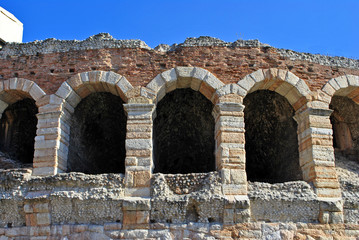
<point x="294" y="89"/>
<point x="184" y="129"/>
<point x="195" y="78"/>
<point x="345" y="86"/>
<point x="18" y="108"/>
<point x="80" y="87"/>
<point x="271" y="97"/>
<point x="343" y="97"/>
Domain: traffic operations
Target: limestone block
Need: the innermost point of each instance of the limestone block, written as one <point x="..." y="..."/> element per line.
<point x="36" y="92"/>
<point x="184" y="76"/>
<point x="47" y="144"/>
<point x="291" y="79"/>
<point x="230" y="124"/>
<point x="75" y="82"/>
<point x="131" y="161"/>
<point x="123" y="86"/>
<point x="43" y="219"/>
<point x="148" y="94"/>
<point x="324" y="97"/>
<point x="94" y="76"/>
<point x="138" y="135"/>
<point x="247" y="82"/>
<point x="323" y="153"/>
<point x="73" y="99"/>
<point x="136" y="203"/>
<point x="293" y="96"/>
<point x="318" y="104"/>
<point x="199" y="73"/>
<point x="232" y="137"/>
<point x="138" y="192"/>
<point x="328" y="89"/>
<point x="326" y="183"/>
<point x="302" y="87"/>
<point x="331" y="205"/>
<point x="85" y="77"/>
<point x="13" y="83"/>
<point x="328" y="192"/>
<point x="142" y="179"/>
<point x="231" y="89"/>
<point x="234" y="189"/>
<point x="270" y="73"/>
<point x="212" y="81"/>
<point x="282" y="74"/>
<point x="44" y="171"/>
<point x="27" y="85"/>
<point x="64" y="90"/>
<point x="336" y="217"/>
<point x="334" y="84"/>
<point x="238" y="176"/>
<point x="353" y="80"/>
<point x="170" y="77"/>
<point x="342" y="81"/>
<point x="257" y="76"/>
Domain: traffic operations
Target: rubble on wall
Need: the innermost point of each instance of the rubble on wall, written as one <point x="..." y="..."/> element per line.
<point x="105" y="40"/>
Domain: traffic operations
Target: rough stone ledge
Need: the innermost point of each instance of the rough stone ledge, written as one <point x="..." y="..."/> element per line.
<point x="51" y="45"/>
<point x="105" y="40"/>
<point x="298" y="190"/>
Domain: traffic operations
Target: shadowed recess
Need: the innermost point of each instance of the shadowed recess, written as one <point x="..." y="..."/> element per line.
<point x="345" y="125"/>
<point x="97" y="138"/>
<point x="18" y="130"/>
<point x="184" y="133"/>
<point x="271" y="138"/>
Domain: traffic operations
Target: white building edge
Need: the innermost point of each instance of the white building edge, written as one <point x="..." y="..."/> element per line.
<point x="11" y="29"/>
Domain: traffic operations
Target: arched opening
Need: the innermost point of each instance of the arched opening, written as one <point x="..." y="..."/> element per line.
<point x="18" y="131"/>
<point x="97" y="136"/>
<point x="345" y="123"/>
<point x="271" y="138"/>
<point x="184" y="133"/>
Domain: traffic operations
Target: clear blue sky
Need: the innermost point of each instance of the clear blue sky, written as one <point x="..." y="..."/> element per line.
<point x="329" y="27"/>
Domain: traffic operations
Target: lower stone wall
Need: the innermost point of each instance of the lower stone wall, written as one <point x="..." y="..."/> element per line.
<point x="255" y="230"/>
<point x="183" y="206"/>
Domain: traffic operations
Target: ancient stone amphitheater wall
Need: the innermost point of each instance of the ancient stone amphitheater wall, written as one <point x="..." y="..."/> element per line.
<point x="201" y="140"/>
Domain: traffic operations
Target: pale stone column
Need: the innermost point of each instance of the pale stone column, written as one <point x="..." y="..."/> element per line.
<point x="52" y="137"/>
<point x="230" y="160"/>
<point x="139" y="147"/>
<point x="316" y="156"/>
<point x="230" y="151"/>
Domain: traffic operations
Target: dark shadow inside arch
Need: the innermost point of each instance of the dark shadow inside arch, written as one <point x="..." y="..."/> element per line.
<point x="97" y="136"/>
<point x="345" y="123"/>
<point x="18" y="131"/>
<point x="184" y="133"/>
<point x="271" y="138"/>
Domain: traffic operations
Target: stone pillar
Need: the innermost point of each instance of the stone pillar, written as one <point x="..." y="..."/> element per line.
<point x="230" y="160"/>
<point x="316" y="156"/>
<point x="139" y="164"/>
<point x="52" y="137"/>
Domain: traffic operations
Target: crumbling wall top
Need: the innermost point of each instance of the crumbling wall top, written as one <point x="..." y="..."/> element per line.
<point x="105" y="41"/>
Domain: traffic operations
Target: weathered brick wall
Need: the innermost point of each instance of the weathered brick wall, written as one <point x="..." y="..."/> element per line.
<point x="141" y="65"/>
